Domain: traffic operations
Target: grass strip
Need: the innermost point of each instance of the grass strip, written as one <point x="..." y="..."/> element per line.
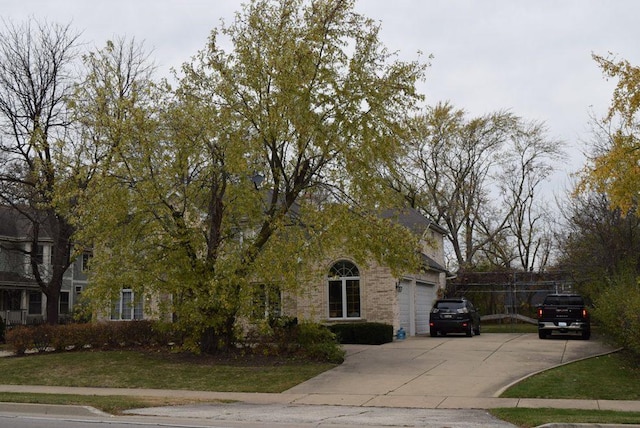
<point x="535" y="417"/>
<point x="112" y="404"/>
<point x="609" y="377"/>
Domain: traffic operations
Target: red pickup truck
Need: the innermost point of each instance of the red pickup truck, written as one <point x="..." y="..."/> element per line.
<point x="563" y="313"/>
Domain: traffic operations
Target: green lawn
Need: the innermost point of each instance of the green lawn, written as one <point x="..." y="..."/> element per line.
<point x="112" y="404"/>
<point x="610" y="377"/>
<point x="131" y="369"/>
<point x="528" y="418"/>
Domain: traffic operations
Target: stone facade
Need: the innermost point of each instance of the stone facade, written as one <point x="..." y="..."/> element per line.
<point x="379" y="289"/>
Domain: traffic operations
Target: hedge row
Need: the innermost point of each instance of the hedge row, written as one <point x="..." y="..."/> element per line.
<point x="364" y="333"/>
<point x="103" y="335"/>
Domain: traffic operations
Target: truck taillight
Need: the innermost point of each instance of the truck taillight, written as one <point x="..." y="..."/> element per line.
<point x="539" y="312"/>
<point x="585" y="314"/>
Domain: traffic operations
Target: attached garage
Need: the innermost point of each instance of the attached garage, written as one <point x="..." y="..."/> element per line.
<point x="415" y="299"/>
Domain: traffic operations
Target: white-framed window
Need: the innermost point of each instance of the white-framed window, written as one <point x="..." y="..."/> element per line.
<point x="344" y="291"/>
<point x="39" y="254"/>
<point x="35" y="303"/>
<point x="127" y="307"/>
<point x="267" y="301"/>
<point x="86" y="258"/>
<point x="64" y="306"/>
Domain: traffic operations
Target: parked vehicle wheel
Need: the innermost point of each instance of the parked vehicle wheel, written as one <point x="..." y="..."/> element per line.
<point x="433" y="333"/>
<point x="543" y="334"/>
<point x="586" y="334"/>
<point x="470" y="330"/>
<point x="477" y="330"/>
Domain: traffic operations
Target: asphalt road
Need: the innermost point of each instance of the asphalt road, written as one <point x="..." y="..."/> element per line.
<point x="242" y="415"/>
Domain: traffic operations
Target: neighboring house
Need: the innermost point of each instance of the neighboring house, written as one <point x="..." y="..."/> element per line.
<point x="21" y="301"/>
<point x="348" y="292"/>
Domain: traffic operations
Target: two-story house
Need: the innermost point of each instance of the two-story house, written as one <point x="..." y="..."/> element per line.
<point x="21" y="300"/>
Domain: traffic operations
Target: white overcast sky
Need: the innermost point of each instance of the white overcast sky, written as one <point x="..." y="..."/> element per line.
<point x="530" y="57"/>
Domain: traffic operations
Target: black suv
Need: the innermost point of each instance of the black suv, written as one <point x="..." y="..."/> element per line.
<point x="454" y="316"/>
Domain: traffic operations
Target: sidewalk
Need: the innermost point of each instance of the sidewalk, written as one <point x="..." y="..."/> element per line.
<point x="432" y="402"/>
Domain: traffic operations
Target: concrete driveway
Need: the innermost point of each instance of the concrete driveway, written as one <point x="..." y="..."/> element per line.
<point x="442" y="372"/>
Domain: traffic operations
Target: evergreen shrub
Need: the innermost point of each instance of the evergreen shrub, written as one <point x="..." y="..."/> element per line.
<point x="285" y="337"/>
<point x="364" y="333"/>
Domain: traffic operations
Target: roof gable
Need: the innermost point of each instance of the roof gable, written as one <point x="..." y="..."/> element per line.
<point x="413" y="220"/>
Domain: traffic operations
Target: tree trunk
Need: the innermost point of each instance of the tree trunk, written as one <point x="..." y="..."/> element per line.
<point x="53" y="301"/>
<point x="213" y="341"/>
<point x="209" y="341"/>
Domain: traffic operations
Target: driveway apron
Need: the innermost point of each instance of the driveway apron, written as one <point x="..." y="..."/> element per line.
<point x="430" y="369"/>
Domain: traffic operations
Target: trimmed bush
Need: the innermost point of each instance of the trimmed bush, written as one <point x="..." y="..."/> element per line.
<point x="284" y="337"/>
<point x="20" y="338"/>
<point x="101" y="335"/>
<point x="317" y="342"/>
<point x="364" y="333"/>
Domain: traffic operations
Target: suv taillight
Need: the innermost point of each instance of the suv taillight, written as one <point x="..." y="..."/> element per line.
<point x="585" y="314"/>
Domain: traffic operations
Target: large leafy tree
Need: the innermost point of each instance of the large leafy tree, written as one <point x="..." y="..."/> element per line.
<point x="598" y="241"/>
<point x="614" y="167"/>
<point x="479" y="177"/>
<point x="60" y="125"/>
<point x="36" y="64"/>
<point x="263" y="160"/>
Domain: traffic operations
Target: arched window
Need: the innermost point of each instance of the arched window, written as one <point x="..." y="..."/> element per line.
<point x="344" y="290"/>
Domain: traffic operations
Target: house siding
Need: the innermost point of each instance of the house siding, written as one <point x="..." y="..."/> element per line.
<point x="17" y="282"/>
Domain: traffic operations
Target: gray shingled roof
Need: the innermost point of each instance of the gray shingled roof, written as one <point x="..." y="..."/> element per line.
<point x="432" y="264"/>
<point x="418" y="224"/>
<point x="14" y="225"/>
<point x="412" y="220"/>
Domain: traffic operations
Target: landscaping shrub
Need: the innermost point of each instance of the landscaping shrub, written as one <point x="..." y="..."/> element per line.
<point x="366" y="333"/>
<point x="284" y="337"/>
<point x="42" y="336"/>
<point x="20" y="338"/>
<point x="101" y="335"/>
<point x="317" y="342"/>
<point x="71" y="336"/>
<point x="283" y="333"/>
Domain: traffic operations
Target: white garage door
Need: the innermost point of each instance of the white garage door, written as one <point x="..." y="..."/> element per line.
<point x="404" y="302"/>
<point x="425" y="295"/>
<point x="415" y="304"/>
